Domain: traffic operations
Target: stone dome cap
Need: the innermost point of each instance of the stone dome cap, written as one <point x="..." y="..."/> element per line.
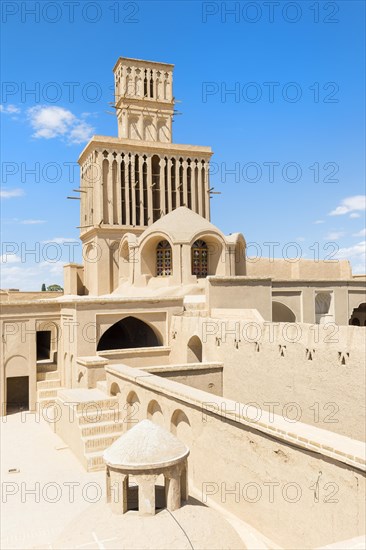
<point x="145" y="446"/>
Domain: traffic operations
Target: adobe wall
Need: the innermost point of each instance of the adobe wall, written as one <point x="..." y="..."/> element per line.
<point x="280" y="479"/>
<point x="202" y="376"/>
<point x="19" y="323"/>
<point x="319" y="369"/>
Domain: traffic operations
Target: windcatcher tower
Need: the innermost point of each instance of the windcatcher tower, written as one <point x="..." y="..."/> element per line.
<point x="129" y="182"/>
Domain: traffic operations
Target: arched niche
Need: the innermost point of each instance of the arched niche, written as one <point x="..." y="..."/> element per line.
<point x="282" y="313"/>
<point x="114" y="389"/>
<point x="181" y="427"/>
<point x="132" y="408"/>
<point x="155" y="413"/>
<point x="129" y="332"/>
<point x="148" y="254"/>
<point x="194" y="350"/>
<point x="206" y="256"/>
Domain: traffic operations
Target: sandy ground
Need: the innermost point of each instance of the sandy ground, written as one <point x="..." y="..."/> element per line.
<point x="51" y="502"/>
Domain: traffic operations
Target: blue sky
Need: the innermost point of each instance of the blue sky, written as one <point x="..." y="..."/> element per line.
<point x="292" y="130"/>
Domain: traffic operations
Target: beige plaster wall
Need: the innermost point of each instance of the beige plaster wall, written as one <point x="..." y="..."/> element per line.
<point x="297" y="269"/>
<point x="206" y="377"/>
<point x="19" y="323"/>
<point x="240" y="293"/>
<point x="319" y="369"/>
<point x="309" y="488"/>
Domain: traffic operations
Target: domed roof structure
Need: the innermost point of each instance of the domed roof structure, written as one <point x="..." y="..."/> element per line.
<point x="182" y="224"/>
<point x="145" y="446"/>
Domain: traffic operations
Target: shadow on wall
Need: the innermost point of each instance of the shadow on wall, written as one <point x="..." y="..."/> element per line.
<point x="128" y="333"/>
<point x="282" y="313"/>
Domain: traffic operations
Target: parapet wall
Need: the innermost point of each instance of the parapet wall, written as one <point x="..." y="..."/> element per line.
<point x="267" y="472"/>
<point x="310" y="373"/>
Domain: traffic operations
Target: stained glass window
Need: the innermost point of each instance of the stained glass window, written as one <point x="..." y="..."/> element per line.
<point x="200" y="259"/>
<point x="164" y="259"/>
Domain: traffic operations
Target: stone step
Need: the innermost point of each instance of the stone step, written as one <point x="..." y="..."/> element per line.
<point x="101" y="428"/>
<point x="45" y="402"/>
<point x="99" y="443"/>
<point x="50" y="375"/>
<point x="94" y="462"/>
<point x="97" y="416"/>
<point x="52" y="392"/>
<point x="46" y="367"/>
<point x="49" y="384"/>
<point x="110" y="403"/>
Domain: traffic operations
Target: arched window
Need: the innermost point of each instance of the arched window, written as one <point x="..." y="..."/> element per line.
<point x="164" y="259"/>
<point x="200" y="259"/>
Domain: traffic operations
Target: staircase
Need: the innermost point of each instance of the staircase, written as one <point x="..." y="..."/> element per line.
<point x="97" y="423"/>
<point x="48" y="383"/>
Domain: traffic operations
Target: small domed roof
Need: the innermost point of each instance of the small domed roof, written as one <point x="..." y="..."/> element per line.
<point x="145" y="446"/>
<point x="182" y="224"/>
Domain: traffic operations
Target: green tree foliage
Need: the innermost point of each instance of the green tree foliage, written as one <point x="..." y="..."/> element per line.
<point x="55" y="288"/>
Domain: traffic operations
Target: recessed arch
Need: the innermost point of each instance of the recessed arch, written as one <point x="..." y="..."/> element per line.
<point x="324" y="307"/>
<point x="206" y="253"/>
<point x="114" y="389"/>
<point x="194" y="350"/>
<point x="282" y="313"/>
<point x="181" y="427"/>
<point x="148" y="254"/>
<point x="132" y="409"/>
<point x="127" y="333"/>
<point x="155" y="413"/>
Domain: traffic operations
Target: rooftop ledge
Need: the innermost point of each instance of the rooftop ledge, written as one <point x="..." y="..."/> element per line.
<point x="310" y="438"/>
<point x="98" y="142"/>
<point x="143" y="62"/>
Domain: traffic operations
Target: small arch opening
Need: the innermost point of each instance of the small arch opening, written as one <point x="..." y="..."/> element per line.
<point x="194" y="350"/>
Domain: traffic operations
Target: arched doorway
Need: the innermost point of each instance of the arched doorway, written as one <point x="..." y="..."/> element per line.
<point x="282" y="313"/>
<point x="129" y="332"/>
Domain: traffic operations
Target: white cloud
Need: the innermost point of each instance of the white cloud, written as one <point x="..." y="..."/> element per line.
<point x="32" y="222"/>
<point x="10" y="193"/>
<point x="31" y="277"/>
<point x="361" y="233"/>
<point x="356" y="254"/>
<point x="355" y="215"/>
<point x="9" y="109"/>
<point x="349" y="205"/>
<point x="319" y="221"/>
<point x="9" y="259"/>
<point x="60" y="240"/>
<point x="57" y="122"/>
<point x="334" y="235"/>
